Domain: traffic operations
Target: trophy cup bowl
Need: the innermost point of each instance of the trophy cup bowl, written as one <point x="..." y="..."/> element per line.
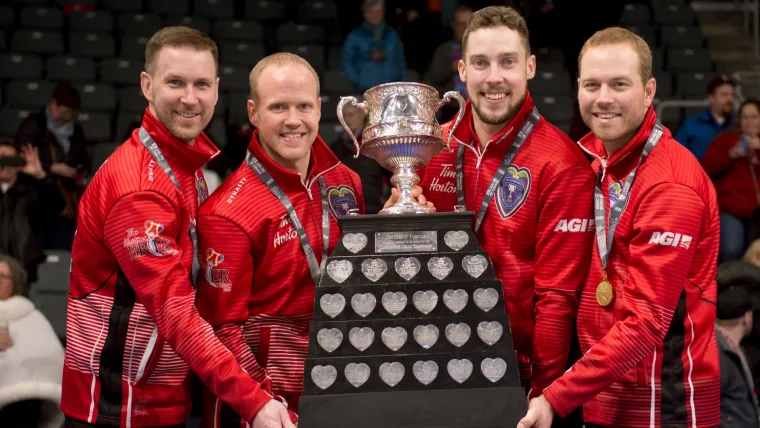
<point x="402" y="133"/>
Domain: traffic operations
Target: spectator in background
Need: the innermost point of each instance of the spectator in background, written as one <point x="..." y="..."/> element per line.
<point x="373" y="54"/>
<point x="731" y="161"/>
<point x="63" y="153"/>
<point x="698" y="131"/>
<point x="444" y="68"/>
<point x="746" y="273"/>
<point x="374" y="177"/>
<point x="31" y="357"/>
<point x="28" y="199"/>
<point x="738" y="397"/>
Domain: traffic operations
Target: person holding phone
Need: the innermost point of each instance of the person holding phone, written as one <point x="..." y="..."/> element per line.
<point x="731" y="161"/>
<point x="28" y="199"/>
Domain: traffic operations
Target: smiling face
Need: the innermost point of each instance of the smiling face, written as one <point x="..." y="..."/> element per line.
<point x="182" y="90"/>
<point x="612" y="97"/>
<point x="286" y="111"/>
<point x="496" y="70"/>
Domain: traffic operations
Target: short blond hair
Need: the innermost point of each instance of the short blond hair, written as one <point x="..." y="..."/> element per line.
<point x="278" y="58"/>
<point x="497" y="16"/>
<point x="619" y="35"/>
<point x="176" y="37"/>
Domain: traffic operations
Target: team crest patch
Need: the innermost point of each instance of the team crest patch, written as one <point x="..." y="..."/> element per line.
<point x="341" y="199"/>
<point x="215" y="276"/>
<point x="513" y="192"/>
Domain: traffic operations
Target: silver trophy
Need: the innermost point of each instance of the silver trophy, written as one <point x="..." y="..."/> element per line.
<point x="402" y="133"/>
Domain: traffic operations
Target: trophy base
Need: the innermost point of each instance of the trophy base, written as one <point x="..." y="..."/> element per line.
<point x="407" y="208"/>
<point x="471" y="408"/>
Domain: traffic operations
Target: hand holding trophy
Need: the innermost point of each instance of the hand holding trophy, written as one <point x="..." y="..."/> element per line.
<point x="402" y="134"/>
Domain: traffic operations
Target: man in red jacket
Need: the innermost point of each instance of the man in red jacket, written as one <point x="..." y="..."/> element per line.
<point x="529" y="186"/>
<point x="266" y="232"/>
<point x="647" y="311"/>
<point x="133" y="332"/>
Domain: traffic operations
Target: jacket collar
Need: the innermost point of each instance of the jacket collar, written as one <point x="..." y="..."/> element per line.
<point x="594" y="146"/>
<point x="180" y="154"/>
<point x="15" y="307"/>
<point x="500" y="142"/>
<point x="322" y="161"/>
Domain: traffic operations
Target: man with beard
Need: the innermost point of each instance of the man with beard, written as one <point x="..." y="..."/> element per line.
<point x="647" y="311"/>
<point x="529" y="186"/>
<point x="698" y="131"/>
<point x="133" y="332"/>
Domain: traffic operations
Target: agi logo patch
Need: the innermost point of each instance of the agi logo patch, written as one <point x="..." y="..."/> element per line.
<point x="216" y="276"/>
<point x="341" y="199"/>
<point x="513" y="192"/>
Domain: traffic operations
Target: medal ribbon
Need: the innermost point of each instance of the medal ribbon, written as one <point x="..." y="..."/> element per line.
<point x="315" y="268"/>
<point x="525" y="131"/>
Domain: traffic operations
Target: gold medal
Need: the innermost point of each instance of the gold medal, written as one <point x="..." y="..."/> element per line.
<point x="604" y="293"/>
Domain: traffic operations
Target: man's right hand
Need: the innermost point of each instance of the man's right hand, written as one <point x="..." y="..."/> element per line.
<point x="416" y="195"/>
<point x="63" y="170"/>
<point x="273" y="415"/>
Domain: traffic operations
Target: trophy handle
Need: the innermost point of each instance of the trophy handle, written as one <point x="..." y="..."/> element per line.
<point x="460" y="100"/>
<point x="354" y="102"/>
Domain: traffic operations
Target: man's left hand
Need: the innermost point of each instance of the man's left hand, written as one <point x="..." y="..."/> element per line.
<point x="416" y="195"/>
<point x="540" y="414"/>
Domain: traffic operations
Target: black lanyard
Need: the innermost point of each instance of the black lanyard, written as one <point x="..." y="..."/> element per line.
<point x="314" y="268"/>
<point x="201" y="196"/>
<point x="603" y="238"/>
<point x="525" y="131"/>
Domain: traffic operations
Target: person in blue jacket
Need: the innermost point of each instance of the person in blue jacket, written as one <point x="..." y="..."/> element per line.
<point x="373" y="53"/>
<point x="698" y="131"/>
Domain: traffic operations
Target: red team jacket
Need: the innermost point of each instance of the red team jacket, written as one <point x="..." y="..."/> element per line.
<point x="650" y="357"/>
<point x="538" y="231"/>
<point x="132" y="328"/>
<point x="732" y="177"/>
<point x="255" y="287"/>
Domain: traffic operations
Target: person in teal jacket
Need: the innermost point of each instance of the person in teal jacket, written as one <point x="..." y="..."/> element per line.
<point x="373" y="53"/>
<point x="698" y="131"/>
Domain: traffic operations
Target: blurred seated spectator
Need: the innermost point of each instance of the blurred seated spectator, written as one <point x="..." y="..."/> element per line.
<point x="734" y="320"/>
<point x="374" y="177"/>
<point x="63" y="152"/>
<point x="28" y="199"/>
<point x="31" y="357"/>
<point x="372" y="53"/>
<point x="731" y="161"/>
<point x="697" y="132"/>
<point x="443" y="72"/>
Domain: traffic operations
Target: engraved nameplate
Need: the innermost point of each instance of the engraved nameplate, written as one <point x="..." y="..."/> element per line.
<point x="406" y="241"/>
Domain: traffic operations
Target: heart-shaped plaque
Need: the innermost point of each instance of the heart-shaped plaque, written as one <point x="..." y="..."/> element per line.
<point x="407" y="267"/>
<point x="374" y="269"/>
<point x="486" y="298"/>
<point x="339" y="270"/>
<point x="394" y="337"/>
<point x="458" y="334"/>
<point x="329" y="339"/>
<point x="394" y="303"/>
<point x="456" y="239"/>
<point x="363" y="304"/>
<point x="459" y="370"/>
<point x="356" y="374"/>
<point x="493" y="368"/>
<point x="426" y="335"/>
<point x="425" y="301"/>
<point x="361" y="338"/>
<point x="354" y="242"/>
<point x="332" y="304"/>
<point x="392" y="373"/>
<point x="425" y="371"/>
<point x="490" y="332"/>
<point x="440" y="267"/>
<point x="455" y="300"/>
<point x="324" y="376"/>
<point x="475" y="265"/>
